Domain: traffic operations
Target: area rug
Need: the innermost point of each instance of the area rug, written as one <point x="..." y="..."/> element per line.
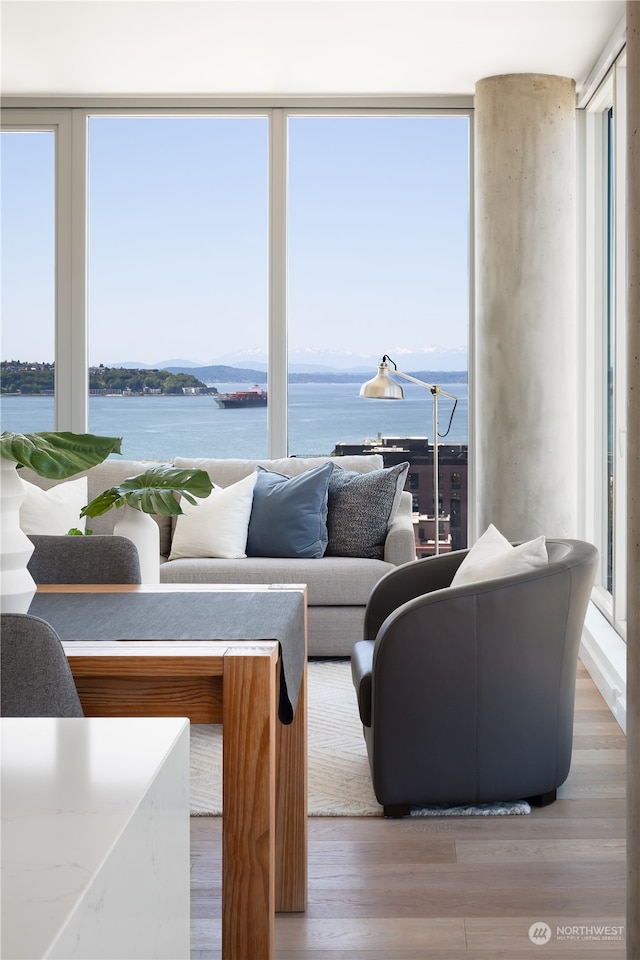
<point x="338" y="769"/>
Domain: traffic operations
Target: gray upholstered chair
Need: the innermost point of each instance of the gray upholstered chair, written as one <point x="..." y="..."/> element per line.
<point x="36" y="679"/>
<point x="466" y="693"/>
<point x="94" y="559"/>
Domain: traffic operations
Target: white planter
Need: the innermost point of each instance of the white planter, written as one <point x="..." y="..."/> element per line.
<point x="143" y="530"/>
<point x="17" y="586"/>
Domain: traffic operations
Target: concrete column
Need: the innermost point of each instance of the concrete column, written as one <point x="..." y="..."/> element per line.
<point x="525" y="338"/>
<point x="633" y="480"/>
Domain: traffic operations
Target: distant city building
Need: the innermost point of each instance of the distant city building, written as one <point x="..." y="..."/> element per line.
<point x="452" y="494"/>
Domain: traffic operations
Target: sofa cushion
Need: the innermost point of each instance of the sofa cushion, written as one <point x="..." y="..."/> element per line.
<point x="226" y="471"/>
<point x="217" y="525"/>
<point x="337" y="581"/>
<point x="289" y="514"/>
<point x="493" y="556"/>
<point x="361" y="507"/>
<point x="54" y="511"/>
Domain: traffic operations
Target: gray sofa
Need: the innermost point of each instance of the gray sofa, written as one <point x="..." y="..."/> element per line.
<point x="338" y="586"/>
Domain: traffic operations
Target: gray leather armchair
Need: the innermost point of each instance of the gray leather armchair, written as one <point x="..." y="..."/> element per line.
<point x="466" y="693"/>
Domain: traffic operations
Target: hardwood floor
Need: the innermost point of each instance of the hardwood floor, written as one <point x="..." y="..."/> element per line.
<point x="458" y="889"/>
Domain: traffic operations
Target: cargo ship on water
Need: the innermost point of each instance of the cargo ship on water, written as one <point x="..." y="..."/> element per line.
<point x="256" y="397"/>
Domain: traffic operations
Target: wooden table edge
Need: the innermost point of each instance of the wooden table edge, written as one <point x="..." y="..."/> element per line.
<point x="171" y="587"/>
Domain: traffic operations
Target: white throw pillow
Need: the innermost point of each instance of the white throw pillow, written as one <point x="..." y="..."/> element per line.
<point x="54" y="511"/>
<point x="493" y="556"/>
<point x="217" y="526"/>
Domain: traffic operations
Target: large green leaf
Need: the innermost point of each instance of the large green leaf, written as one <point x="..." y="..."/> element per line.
<point x="57" y="455"/>
<point x="153" y="492"/>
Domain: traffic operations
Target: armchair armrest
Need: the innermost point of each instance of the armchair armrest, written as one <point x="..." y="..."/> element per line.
<point x="400" y="544"/>
<point x="361" y="672"/>
<point x="408" y="581"/>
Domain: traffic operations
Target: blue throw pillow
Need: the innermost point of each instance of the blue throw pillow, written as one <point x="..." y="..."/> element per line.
<point x="289" y="514"/>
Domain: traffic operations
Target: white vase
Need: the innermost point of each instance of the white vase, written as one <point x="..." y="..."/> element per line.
<point x="143" y="530"/>
<point x="17" y="586"/>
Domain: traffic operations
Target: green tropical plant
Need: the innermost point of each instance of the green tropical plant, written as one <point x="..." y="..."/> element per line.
<point x="57" y="455"/>
<point x="153" y="492"/>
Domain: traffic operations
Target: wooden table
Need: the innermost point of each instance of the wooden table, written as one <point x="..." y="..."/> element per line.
<point x="264" y="846"/>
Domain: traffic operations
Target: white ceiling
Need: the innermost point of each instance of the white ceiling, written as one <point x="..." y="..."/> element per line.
<point x="272" y="47"/>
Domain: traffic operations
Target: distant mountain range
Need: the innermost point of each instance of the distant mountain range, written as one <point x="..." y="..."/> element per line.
<point x="221" y="373"/>
<point x="252" y="365"/>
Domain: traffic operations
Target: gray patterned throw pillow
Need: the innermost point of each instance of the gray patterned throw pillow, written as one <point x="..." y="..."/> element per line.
<point x="360" y="508"/>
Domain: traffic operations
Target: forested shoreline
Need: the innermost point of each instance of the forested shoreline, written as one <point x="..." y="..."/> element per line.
<point x="38" y="378"/>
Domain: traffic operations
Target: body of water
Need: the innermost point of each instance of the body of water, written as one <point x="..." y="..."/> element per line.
<point x="320" y="415"/>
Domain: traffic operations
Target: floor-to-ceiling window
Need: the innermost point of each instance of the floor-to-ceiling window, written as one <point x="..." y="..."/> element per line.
<point x="275" y="251"/>
<point x="605" y="309"/>
<point x="378" y="236"/>
<point x="172" y="252"/>
<point x="178" y="251"/>
<point x="378" y="263"/>
<point x="28" y="278"/>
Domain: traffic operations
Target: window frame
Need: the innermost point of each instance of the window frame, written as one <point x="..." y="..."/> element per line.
<point x="70" y="398"/>
<point x="71" y="125"/>
<point x="604" y="291"/>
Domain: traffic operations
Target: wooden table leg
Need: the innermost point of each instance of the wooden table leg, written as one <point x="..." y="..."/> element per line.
<point x="291" y="809"/>
<point x="248" y="805"/>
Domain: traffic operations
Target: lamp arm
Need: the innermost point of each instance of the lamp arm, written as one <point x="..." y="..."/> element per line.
<point x="434" y="388"/>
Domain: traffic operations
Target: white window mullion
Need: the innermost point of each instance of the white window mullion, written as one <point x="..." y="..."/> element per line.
<point x="278" y="360"/>
<point x="64" y="372"/>
<point x="71" y="337"/>
<point x="77" y="346"/>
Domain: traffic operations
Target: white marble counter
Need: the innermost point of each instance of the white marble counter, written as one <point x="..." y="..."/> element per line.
<point x="95" y="839"/>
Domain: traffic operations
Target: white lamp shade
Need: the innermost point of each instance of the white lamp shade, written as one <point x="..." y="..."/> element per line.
<point x="382" y="387"/>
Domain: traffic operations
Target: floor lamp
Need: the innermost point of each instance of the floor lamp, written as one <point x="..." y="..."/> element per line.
<point x="383" y="387"/>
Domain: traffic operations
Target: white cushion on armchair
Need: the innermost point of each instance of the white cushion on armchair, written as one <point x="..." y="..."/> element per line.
<point x="493" y="556"/>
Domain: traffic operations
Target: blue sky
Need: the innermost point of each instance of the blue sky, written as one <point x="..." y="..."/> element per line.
<point x="178" y="232"/>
